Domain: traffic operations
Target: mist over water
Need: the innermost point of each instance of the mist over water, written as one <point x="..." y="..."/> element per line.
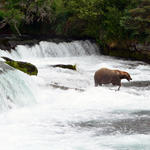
<point x="61" y="108"/>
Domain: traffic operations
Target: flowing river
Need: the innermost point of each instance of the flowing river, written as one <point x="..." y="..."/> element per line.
<point x="60" y="109"/>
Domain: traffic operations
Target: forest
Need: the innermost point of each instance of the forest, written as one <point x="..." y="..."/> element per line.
<point x="113" y="23"/>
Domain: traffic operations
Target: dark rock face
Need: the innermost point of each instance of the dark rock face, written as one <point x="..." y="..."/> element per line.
<point x="5" y="45"/>
<point x="136" y="52"/>
<point x="8" y="42"/>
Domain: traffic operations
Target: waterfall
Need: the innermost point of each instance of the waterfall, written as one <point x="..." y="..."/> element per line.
<point x="15" y="88"/>
<point x="51" y="49"/>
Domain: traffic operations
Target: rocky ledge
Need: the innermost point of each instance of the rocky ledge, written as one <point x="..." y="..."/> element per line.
<point x="141" y="53"/>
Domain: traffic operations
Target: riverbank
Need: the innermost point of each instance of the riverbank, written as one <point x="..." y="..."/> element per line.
<point x="131" y="54"/>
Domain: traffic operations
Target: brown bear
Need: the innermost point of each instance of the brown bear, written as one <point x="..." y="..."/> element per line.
<point x="105" y="76"/>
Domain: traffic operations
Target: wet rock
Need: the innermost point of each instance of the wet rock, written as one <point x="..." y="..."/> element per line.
<point x="72" y="67"/>
<point x="137" y="84"/>
<point x="142" y="47"/>
<point x="22" y="66"/>
<point x="133" y="53"/>
<point x="56" y="86"/>
<point x="10" y="41"/>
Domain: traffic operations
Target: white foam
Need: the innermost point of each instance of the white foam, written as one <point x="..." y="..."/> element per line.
<point x="70" y="119"/>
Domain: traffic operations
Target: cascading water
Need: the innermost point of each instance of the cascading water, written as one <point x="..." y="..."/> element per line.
<point x="70" y="113"/>
<point x="51" y="49"/>
<point x="15" y="90"/>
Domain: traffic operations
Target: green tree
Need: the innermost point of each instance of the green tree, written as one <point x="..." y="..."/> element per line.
<point x="11" y="15"/>
<point x="97" y="18"/>
<point x="137" y="21"/>
<point x="17" y="12"/>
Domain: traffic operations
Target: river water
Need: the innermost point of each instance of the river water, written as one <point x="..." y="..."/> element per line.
<point x="60" y="109"/>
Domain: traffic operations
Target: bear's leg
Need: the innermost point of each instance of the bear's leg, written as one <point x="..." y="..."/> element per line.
<point x="97" y="84"/>
<point x="119" y="86"/>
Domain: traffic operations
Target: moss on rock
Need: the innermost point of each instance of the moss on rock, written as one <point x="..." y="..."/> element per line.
<point x="72" y="67"/>
<point x="22" y="66"/>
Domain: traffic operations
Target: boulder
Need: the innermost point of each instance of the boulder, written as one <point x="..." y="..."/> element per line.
<point x="22" y="66"/>
<point x="72" y="67"/>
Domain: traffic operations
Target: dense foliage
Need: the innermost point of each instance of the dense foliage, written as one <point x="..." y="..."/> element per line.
<point x="137" y="21"/>
<point x="20" y="12"/>
<point x="110" y="22"/>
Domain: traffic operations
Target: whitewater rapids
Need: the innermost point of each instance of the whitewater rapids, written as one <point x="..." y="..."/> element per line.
<point x="60" y="109"/>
